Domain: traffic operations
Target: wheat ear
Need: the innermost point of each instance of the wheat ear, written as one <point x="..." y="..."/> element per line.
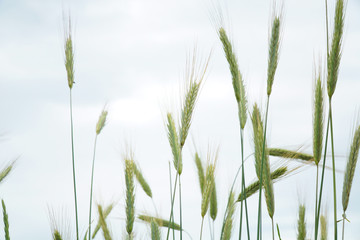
<point x="143" y="183"/>
<point x="350" y="168"/>
<point x="301" y="224"/>
<point x="6" y="220"/>
<point x="6" y="170"/>
<point x="228" y="224"/>
<point x="99" y="126"/>
<point x="155" y="231"/>
<point x="254" y="187"/>
<point x="334" y="56"/>
<point x="130" y="196"/>
<point x="323" y="226"/>
<point x="104" y="226"/>
<point x="160" y="222"/>
<point x="274" y="46"/>
<point x="259" y="141"/>
<point x="284" y="153"/>
<point x="106" y="212"/>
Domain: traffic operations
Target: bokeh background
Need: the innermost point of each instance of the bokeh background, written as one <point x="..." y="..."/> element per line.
<point x="131" y="56"/>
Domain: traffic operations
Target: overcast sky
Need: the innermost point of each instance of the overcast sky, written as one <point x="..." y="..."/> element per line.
<point x="131" y="55"/>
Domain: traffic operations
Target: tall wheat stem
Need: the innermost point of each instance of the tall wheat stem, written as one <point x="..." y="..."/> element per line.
<point x="180" y="207"/>
<point x="343" y="227"/>
<point x="243" y="188"/>
<point x="73" y="166"/>
<point x="317" y="209"/>
<point x="201" y="229"/>
<point x="259" y="227"/>
<point x="171" y="196"/>
<point x="316" y="192"/>
<point x="171" y="219"/>
<point x="317" y="215"/>
<point x="91" y="186"/>
<point x="272" y="224"/>
<point x="333" y="168"/>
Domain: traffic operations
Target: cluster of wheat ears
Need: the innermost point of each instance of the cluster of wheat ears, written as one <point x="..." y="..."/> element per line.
<point x="177" y="133"/>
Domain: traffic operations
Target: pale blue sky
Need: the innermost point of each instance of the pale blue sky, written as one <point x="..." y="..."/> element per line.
<point x="131" y="55"/>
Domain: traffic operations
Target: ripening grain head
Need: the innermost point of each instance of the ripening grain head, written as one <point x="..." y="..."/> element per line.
<point x="350" y="168"/>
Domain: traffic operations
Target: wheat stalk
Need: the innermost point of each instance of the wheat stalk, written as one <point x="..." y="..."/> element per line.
<point x="99" y="126"/>
<point x="69" y="66"/>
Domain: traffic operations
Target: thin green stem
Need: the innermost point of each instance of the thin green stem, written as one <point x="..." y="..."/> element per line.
<point x="171" y="218"/>
<point x="243" y="189"/>
<point x="171" y="198"/>
<point x="201" y="229"/>
<point x="272" y="224"/>
<point x="73" y="167"/>
<point x="91" y="186"/>
<point x="316" y="191"/>
<point x="333" y="168"/>
<point x="259" y="227"/>
<point x="343" y="227"/>
<point x="180" y="208"/>
<point x="317" y="215"/>
<point x="213" y="229"/>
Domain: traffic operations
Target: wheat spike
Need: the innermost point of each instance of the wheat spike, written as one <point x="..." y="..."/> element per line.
<point x="334" y="56"/>
<point x="106" y="212"/>
<point x="143" y="183"/>
<point x="130" y="195"/>
<point x="104" y="226"/>
<point x="155" y="231"/>
<point x="284" y="153"/>
<point x="274" y="46"/>
<point x="228" y="223"/>
<point x="301" y="227"/>
<point x="209" y="182"/>
<point x="254" y="187"/>
<point x="160" y="222"/>
<point x="200" y="171"/>
<point x="69" y="56"/>
<point x="194" y="78"/>
<point x="101" y="122"/>
<point x="323" y="223"/>
<point x="174" y="143"/>
<point x="213" y="202"/>
<point x="237" y="79"/>
<point x="350" y="168"/>
<point x="318" y="120"/>
<point x="258" y="142"/>
<point x="6" y="170"/>
<point x="6" y="220"/>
